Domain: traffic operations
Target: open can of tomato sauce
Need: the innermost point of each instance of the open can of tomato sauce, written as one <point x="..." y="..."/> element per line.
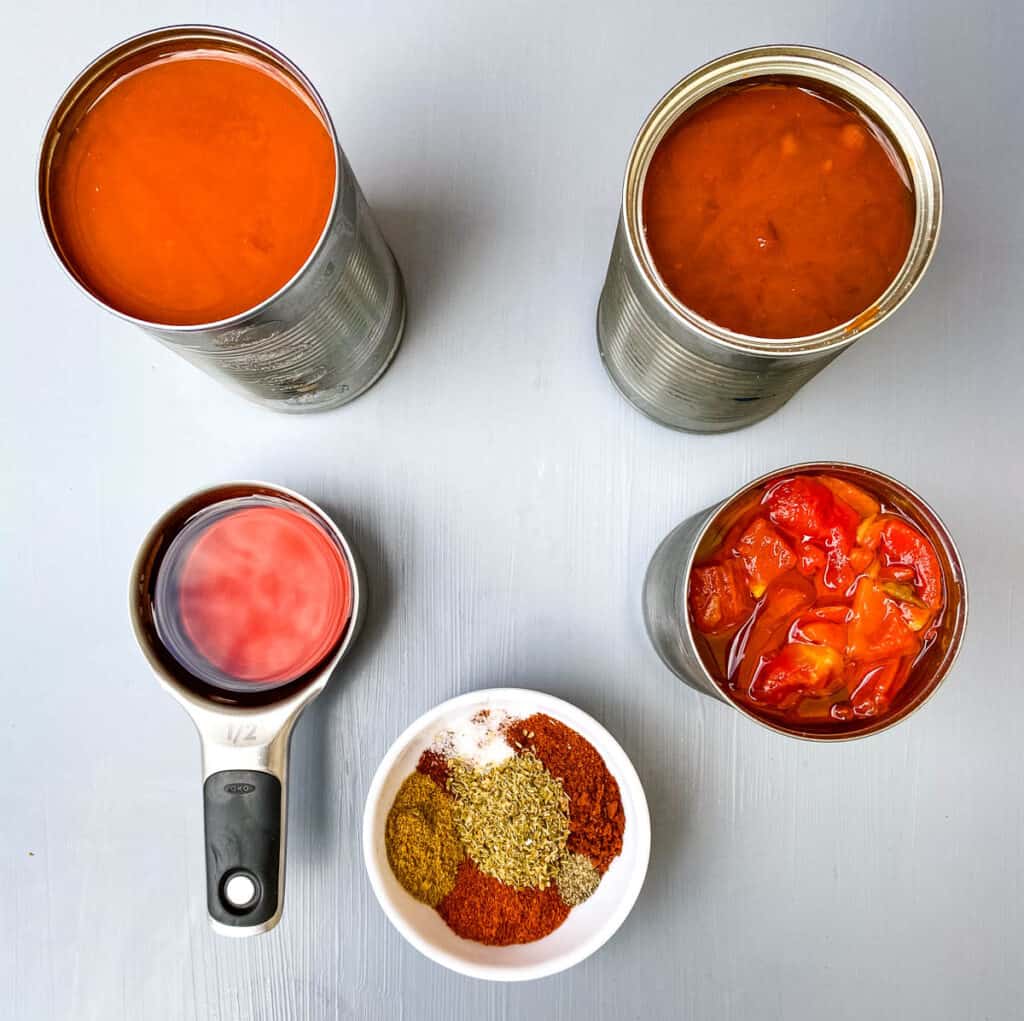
<point x="778" y="203"/>
<point x="191" y="182"/>
<point x="824" y="601"/>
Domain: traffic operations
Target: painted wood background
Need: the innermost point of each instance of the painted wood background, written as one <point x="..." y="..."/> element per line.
<point x="506" y="501"/>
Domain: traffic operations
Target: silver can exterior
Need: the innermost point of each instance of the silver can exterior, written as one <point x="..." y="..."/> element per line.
<point x="667" y="618"/>
<point x="683" y="370"/>
<point x="331" y="331"/>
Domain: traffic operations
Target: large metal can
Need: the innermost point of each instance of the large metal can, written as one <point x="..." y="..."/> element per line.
<point x="689" y="373"/>
<point x="331" y="331"/>
<point x="666" y="585"/>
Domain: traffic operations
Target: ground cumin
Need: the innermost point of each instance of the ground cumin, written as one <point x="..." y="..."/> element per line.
<point x="422" y="845"/>
<point x="481" y="908"/>
<point x="596" y="819"/>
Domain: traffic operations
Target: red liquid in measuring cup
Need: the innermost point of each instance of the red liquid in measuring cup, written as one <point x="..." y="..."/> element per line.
<point x="252" y="592"/>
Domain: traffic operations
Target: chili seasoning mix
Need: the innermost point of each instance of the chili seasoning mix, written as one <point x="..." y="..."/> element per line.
<point x="506" y="825"/>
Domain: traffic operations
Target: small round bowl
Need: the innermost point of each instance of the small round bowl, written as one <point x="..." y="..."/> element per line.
<point x="588" y="926"/>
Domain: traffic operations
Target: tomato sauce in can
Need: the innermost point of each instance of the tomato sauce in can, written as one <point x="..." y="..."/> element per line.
<point x="778" y="203"/>
<point x="194" y="187"/>
<point x="775" y="210"/>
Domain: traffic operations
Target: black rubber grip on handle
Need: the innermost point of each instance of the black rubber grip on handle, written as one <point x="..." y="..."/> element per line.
<point x="242" y="815"/>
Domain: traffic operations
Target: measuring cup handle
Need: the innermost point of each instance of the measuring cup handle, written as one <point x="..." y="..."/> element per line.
<point x="245" y="824"/>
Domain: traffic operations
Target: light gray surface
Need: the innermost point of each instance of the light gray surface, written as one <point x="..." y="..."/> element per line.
<point x="506" y="501"/>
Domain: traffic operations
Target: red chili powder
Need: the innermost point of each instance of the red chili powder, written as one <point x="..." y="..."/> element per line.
<point x="596" y="819"/>
<point x="434" y="765"/>
<point x="484" y="909"/>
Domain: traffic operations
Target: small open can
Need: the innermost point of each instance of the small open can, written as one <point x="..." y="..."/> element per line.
<point x="689" y="373"/>
<point x="330" y="332"/>
<point x="666" y="585"/>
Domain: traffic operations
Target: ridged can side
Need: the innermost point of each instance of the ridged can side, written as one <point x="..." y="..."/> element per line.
<point x="665" y="607"/>
<point x="329" y="341"/>
<point x="681" y="381"/>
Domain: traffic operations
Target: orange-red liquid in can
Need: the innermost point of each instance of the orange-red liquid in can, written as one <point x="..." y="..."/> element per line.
<point x="777" y="212"/>
<point x="193" y="188"/>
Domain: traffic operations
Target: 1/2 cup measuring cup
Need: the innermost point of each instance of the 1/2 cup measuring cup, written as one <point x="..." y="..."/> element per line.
<point x="242" y="683"/>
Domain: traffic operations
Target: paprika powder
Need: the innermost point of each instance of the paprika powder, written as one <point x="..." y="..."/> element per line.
<point x="596" y="819"/>
<point x="484" y="909"/>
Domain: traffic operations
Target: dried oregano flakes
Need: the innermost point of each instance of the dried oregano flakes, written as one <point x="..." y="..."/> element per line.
<point x="512" y="819"/>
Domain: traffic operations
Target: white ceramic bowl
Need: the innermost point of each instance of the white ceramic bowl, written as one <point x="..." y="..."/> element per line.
<point x="588" y="926"/>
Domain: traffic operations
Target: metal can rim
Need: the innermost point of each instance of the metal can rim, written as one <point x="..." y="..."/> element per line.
<point x="107" y="60"/>
<point x="863" y="86"/>
<point x="948" y="552"/>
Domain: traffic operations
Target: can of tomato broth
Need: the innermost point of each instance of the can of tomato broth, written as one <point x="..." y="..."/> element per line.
<point x="682" y="369"/>
<point x="331" y="329"/>
<point x="666" y="585"/>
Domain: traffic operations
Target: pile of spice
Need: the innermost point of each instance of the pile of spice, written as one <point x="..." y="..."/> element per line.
<point x="506" y="825"/>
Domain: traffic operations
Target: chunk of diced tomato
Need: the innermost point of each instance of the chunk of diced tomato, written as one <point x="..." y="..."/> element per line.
<point x="805" y="509"/>
<point x="811" y="560"/>
<point x="796" y="670"/>
<point x="899" y="573"/>
<point x="874" y="688"/>
<point x="915" y="612"/>
<point x="877" y="628"/>
<point x="861" y="559"/>
<point x="839" y="573"/>
<point x="719" y="598"/>
<point x="836" y="614"/>
<point x="917" y="617"/>
<point x="814" y="631"/>
<point x="859" y="499"/>
<point x="771" y="623"/>
<point x="814" y="516"/>
<point x="903" y="548"/>
<point x="765" y="555"/>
